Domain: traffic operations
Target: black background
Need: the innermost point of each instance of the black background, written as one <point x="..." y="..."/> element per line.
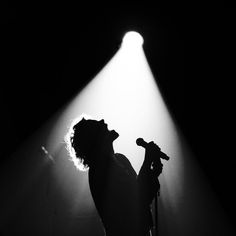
<point x="49" y="52"/>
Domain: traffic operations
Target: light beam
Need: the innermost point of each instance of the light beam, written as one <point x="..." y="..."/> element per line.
<point x="124" y="93"/>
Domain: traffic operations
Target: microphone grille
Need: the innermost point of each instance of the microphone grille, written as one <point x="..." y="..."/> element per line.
<point x="139" y="141"/>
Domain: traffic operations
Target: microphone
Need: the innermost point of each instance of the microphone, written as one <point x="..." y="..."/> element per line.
<point x="144" y="144"/>
<point x="47" y="154"/>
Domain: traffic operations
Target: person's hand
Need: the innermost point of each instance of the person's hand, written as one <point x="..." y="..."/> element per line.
<point x="152" y="152"/>
<point x="156" y="168"/>
<point x="153" y="158"/>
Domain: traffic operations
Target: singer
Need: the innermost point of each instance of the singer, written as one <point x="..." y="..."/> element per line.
<point x="122" y="197"/>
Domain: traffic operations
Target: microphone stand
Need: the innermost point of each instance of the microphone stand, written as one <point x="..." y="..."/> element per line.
<point x="144" y="144"/>
<point x="156" y="213"/>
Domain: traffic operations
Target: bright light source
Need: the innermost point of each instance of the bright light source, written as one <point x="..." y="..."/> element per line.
<point x="133" y="39"/>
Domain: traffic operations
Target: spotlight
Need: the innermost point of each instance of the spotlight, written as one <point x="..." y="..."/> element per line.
<point x="133" y="39"/>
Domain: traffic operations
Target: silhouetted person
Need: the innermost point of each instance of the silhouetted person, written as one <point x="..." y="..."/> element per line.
<point x="122" y="197"/>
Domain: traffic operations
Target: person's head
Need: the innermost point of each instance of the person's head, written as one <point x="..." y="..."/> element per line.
<point x="87" y="140"/>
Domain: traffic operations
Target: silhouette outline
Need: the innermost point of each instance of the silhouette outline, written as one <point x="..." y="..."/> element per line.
<point x="122" y="198"/>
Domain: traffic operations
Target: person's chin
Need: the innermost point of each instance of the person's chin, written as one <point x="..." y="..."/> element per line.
<point x="114" y="134"/>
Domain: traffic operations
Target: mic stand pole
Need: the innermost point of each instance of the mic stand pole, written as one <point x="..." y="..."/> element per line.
<point x="156" y="213"/>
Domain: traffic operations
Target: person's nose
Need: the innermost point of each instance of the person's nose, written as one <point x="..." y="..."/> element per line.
<point x="102" y="121"/>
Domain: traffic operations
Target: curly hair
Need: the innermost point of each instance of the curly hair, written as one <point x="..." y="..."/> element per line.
<point x="80" y="140"/>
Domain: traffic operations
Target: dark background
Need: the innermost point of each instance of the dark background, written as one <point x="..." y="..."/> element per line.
<point x="48" y="53"/>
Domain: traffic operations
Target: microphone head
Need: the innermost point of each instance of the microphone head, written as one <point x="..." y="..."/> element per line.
<point x="140" y="142"/>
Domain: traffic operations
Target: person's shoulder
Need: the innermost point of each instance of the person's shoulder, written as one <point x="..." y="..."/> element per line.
<point x="125" y="163"/>
<point x="121" y="156"/>
<point x="122" y="159"/>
